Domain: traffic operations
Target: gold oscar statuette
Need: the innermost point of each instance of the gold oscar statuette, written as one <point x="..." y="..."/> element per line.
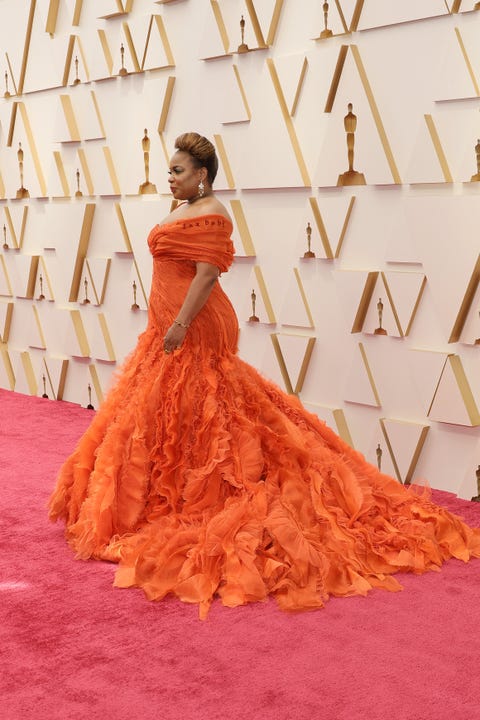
<point x="135" y="305"/>
<point x="146" y="188"/>
<point x="379" y="453"/>
<point x="90" y="406"/>
<point x="380" y="330"/>
<point x="476" y="6"/>
<point x="476" y="177"/>
<point x="243" y="47"/>
<point x="123" y="70"/>
<point x="6" y="94"/>
<point x="85" y="300"/>
<point x="77" y="79"/>
<point x="326" y="33"/>
<point x="44" y="381"/>
<point x="351" y="176"/>
<point x="22" y="192"/>
<point x="40" y="282"/>
<point x="309" y="253"/>
<point x="5" y="243"/>
<point x="253" y="317"/>
<point x="477" y="496"/>
<point x="78" y="193"/>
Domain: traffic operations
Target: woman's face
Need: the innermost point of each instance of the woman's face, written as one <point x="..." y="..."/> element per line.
<point x="184" y="177"/>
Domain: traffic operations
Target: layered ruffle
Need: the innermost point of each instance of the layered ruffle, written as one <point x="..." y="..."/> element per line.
<point x="208" y="481"/>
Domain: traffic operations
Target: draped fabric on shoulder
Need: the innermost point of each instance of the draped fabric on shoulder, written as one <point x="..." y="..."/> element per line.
<point x="203" y="479"/>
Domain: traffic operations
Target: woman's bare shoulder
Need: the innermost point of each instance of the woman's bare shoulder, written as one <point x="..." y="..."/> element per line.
<point x="211" y="205"/>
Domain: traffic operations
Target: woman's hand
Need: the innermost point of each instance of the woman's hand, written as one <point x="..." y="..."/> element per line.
<point x="174" y="338"/>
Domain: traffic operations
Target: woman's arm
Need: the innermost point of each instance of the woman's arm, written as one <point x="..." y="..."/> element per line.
<point x="196" y="297"/>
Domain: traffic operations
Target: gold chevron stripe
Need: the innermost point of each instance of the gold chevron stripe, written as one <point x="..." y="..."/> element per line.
<point x="413" y="464"/>
<point x="86" y="171"/>
<point x="106" y="336"/>
<point x="337" y="73"/>
<point x="51" y="24"/>
<point x="29" y="372"/>
<point x="342" y="16"/>
<point x="370" y="374"/>
<point x="225" y="162"/>
<point x="80" y="333"/>
<point x="106" y="50"/>
<point x="32" y="277"/>
<point x="467" y="61"/>
<point x="10" y="70"/>
<point x="98" y="113"/>
<point x="272" y="30"/>
<point x="321" y="228"/>
<point x="221" y="24"/>
<point x="289" y="123"/>
<point x="298" y="91"/>
<point x="77" y="12"/>
<point x="82" y="251"/>
<point x="390" y="450"/>
<point x="303" y="296"/>
<point x="68" y="60"/>
<point x="131" y="47"/>
<point x="342" y="426"/>
<point x="442" y="159"/>
<point x="111" y="170"/>
<point x="26" y="49"/>
<point x="255" y="24"/>
<point x="39" y="327"/>
<point x="364" y="303"/>
<point x="466" y="303"/>
<point x="7" y="363"/>
<point x="376" y="115"/>
<point x="5" y="336"/>
<point x="392" y="304"/>
<point x="166" y="104"/>
<point x="33" y="149"/>
<point x="61" y="173"/>
<point x="242" y="226"/>
<point x="242" y="91"/>
<point x="265" y="295"/>
<point x="281" y="363"/>
<point x="69" y="113"/>
<point x="345" y="226"/>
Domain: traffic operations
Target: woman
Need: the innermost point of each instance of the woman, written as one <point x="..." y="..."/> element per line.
<point x="203" y="479"/>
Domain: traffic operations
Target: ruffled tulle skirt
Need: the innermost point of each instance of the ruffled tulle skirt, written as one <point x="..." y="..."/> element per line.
<point x="202" y="479"/>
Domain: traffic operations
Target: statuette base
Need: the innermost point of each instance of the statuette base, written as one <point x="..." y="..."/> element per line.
<point x="351" y="177"/>
<point x="147" y="188"/>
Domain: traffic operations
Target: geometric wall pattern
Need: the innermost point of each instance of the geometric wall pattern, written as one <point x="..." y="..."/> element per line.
<point x="348" y="137"/>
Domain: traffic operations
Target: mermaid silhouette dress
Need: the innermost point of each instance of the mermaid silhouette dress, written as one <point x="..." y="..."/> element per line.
<point x="203" y="479"/>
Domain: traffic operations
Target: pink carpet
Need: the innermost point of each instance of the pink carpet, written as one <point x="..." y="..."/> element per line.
<point x="73" y="647"/>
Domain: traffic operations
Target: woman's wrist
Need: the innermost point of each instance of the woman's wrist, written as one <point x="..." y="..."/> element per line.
<point x="181" y="324"/>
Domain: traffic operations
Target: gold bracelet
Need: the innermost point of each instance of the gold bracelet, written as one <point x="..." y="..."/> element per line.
<point x="182" y="325"/>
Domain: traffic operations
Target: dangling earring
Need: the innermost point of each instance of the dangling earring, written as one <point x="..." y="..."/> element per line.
<point x="201" y="189"/>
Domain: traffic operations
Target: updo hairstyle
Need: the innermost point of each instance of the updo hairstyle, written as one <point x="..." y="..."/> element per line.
<point x="201" y="151"/>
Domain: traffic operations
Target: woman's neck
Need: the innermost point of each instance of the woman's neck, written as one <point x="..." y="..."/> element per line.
<point x="195" y="199"/>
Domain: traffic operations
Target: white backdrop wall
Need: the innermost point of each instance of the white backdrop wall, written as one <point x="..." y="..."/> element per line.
<point x="408" y="237"/>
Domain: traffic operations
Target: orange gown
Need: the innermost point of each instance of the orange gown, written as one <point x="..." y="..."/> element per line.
<point x="203" y="479"/>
